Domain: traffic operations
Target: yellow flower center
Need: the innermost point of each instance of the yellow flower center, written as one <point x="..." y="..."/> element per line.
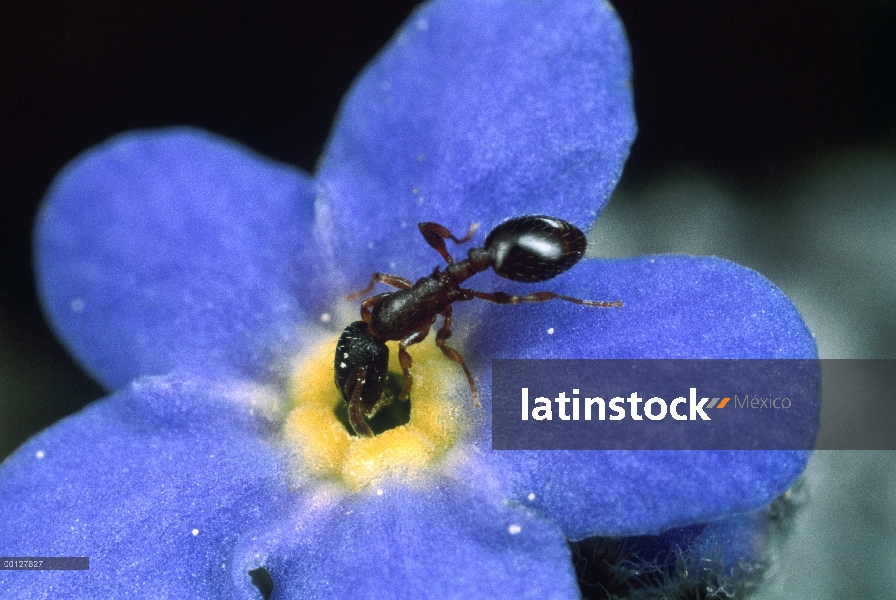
<point x="441" y="408"/>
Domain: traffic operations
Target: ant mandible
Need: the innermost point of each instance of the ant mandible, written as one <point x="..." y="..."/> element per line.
<point x="528" y="249"/>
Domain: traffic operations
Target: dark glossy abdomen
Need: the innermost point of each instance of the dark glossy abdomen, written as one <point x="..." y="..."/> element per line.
<point x="535" y="248"/>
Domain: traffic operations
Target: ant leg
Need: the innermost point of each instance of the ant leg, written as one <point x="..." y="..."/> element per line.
<point x="394" y="280"/>
<point x="435" y="235"/>
<point x="443" y="334"/>
<point x="405" y="359"/>
<point x="502" y="298"/>
<point x="366" y="314"/>
<point x="354" y="387"/>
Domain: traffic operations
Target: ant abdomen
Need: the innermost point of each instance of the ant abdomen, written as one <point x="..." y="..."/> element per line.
<point x="535" y="248"/>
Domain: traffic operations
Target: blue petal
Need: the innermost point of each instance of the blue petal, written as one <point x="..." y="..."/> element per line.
<point x="477" y="111"/>
<point x="675" y="307"/>
<point x="155" y="485"/>
<point x="621" y="493"/>
<point x="443" y="542"/>
<point x="174" y="247"/>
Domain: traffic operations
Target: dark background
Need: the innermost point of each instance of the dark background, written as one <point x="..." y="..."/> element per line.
<point x="746" y="90"/>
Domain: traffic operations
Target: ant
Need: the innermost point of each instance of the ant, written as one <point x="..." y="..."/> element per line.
<point x="528" y="249"/>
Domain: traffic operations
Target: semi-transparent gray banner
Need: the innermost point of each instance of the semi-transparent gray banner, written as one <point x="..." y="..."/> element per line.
<point x="694" y="404"/>
<point x="44" y="563"/>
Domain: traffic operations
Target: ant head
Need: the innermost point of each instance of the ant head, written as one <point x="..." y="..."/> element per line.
<point x="534" y="248"/>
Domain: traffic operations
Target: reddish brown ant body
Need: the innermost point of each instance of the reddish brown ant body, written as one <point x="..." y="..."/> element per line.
<point x="529" y="249"/>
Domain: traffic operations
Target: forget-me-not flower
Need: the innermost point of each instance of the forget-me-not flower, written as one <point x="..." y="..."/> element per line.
<point x="204" y="285"/>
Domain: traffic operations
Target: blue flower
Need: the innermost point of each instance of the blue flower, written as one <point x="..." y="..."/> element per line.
<point x="204" y="285"/>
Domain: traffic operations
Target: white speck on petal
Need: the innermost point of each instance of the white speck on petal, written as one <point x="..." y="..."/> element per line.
<point x="422" y="24"/>
<point x="404" y="224"/>
<point x="39" y="454"/>
<point x="379" y="492"/>
<point x="325" y="318"/>
<point x="514" y="529"/>
<point x="550" y="331"/>
<point x="420" y="200"/>
<point x="195" y="532"/>
<point x="77" y="305"/>
<point x="531" y="496"/>
<point x="370" y="245"/>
